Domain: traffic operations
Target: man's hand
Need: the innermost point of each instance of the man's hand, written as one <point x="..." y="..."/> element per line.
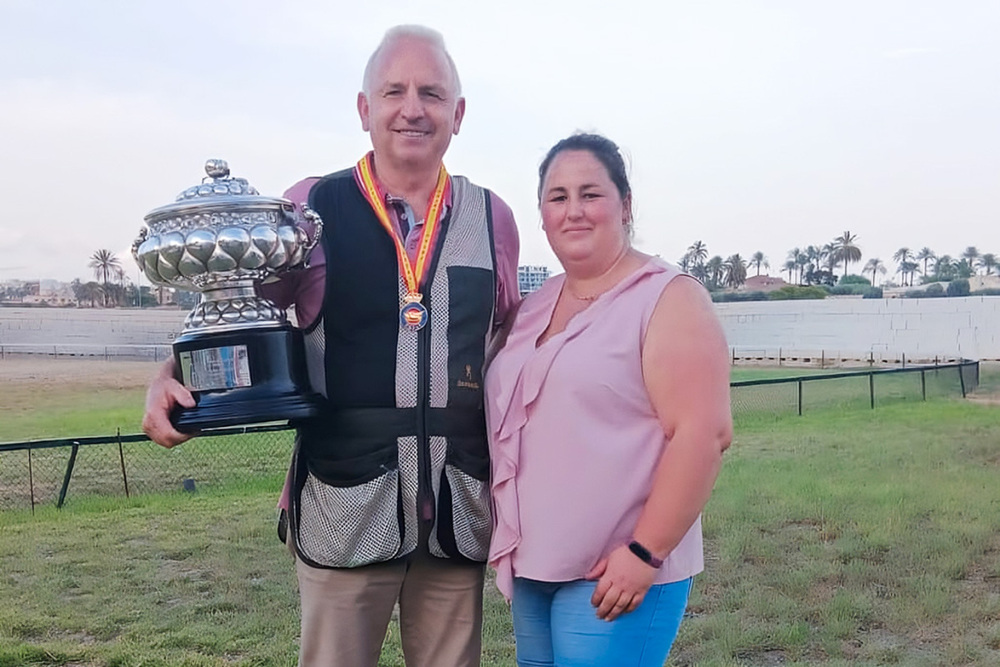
<point x="164" y="393"/>
<point x="622" y="583"/>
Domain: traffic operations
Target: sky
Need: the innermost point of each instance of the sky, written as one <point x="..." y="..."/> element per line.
<point x="749" y="126"/>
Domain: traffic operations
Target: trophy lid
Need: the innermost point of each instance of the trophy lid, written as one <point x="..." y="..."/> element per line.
<point x="218" y="191"/>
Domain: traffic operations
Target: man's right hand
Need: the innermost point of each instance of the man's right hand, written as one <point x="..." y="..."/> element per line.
<point x="164" y="393"/>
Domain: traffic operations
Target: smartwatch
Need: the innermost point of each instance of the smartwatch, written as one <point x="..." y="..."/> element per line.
<point x="645" y="555"/>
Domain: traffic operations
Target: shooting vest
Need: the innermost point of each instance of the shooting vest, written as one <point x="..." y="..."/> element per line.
<point x="400" y="452"/>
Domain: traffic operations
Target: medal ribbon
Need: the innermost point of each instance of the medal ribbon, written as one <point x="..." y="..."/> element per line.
<point x="413" y="275"/>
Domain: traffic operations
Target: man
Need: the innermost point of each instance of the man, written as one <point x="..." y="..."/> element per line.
<point x="387" y="496"/>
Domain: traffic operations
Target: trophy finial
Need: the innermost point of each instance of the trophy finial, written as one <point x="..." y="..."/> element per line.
<point x="217" y="168"/>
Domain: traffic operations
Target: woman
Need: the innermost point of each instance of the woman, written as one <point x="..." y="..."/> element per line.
<point x="609" y="412"/>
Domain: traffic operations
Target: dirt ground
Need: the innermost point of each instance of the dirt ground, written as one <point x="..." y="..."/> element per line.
<point x="42" y="372"/>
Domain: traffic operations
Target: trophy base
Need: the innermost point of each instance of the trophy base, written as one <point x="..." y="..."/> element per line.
<point x="243" y="377"/>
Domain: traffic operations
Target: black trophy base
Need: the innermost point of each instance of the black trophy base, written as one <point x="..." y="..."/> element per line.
<point x="244" y="377"/>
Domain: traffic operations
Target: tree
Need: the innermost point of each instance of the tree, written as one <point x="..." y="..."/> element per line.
<point x="714" y="270"/>
<point x="902" y="256"/>
<point x="925" y="255"/>
<point x="845" y="249"/>
<point x="698" y="252"/>
<point x="971" y="254"/>
<point x="758" y="259"/>
<point x="735" y="271"/>
<point x="873" y="266"/>
<point x="790" y="267"/>
<point x="987" y="262"/>
<point x="105" y="264"/>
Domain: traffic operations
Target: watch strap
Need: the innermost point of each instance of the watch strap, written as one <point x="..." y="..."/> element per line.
<point x="645" y="555"/>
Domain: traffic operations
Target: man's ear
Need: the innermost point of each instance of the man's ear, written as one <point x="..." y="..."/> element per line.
<point x="459" y="114"/>
<point x="363" y="111"/>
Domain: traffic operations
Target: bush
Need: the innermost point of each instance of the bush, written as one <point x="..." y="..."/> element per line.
<point x="854" y="280"/>
<point x="795" y="292"/>
<point x="720" y="297"/>
<point x="934" y="289"/>
<point x="986" y="291"/>
<point x="958" y="287"/>
<point x="872" y="293"/>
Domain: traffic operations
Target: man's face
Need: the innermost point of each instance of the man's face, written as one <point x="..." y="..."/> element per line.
<point x="412" y="107"/>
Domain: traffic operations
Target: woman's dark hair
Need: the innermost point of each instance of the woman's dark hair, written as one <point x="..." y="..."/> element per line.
<point x="602" y="148"/>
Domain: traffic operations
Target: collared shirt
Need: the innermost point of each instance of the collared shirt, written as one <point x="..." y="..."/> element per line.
<point x="305" y="289"/>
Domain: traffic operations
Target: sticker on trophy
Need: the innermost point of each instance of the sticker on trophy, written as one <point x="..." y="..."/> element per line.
<point x="413" y="316"/>
<point x="215" y="368"/>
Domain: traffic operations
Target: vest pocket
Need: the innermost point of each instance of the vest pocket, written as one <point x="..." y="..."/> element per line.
<point x="464" y="520"/>
<point x="349" y="511"/>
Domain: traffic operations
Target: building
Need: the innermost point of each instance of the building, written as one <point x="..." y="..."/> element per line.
<point x="530" y="278"/>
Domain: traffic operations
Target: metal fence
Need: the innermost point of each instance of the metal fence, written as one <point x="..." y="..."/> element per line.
<point x="47" y="472"/>
<point x="851" y="390"/>
<point x="44" y="472"/>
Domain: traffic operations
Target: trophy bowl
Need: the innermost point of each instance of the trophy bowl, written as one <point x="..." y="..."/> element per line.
<point x="238" y="354"/>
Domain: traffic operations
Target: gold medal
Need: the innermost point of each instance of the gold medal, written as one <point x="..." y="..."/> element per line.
<point x="413" y="314"/>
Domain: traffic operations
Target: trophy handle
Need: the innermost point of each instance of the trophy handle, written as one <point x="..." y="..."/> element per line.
<point x="143" y="235"/>
<point x="317" y="223"/>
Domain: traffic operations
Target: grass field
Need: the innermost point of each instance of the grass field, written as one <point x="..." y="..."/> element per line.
<point x="842" y="537"/>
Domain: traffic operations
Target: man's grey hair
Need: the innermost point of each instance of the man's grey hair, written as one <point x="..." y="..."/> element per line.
<point x="419" y="32"/>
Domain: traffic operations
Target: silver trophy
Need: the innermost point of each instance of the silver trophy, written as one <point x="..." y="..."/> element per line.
<point x="238" y="354"/>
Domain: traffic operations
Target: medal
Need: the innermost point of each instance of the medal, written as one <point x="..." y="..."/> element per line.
<point x="413" y="314"/>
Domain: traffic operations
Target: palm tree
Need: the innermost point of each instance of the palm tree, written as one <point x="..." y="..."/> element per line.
<point x="104" y="263"/>
<point x="714" y="269"/>
<point x="902" y="256"/>
<point x="790" y="267"/>
<point x="845" y="249"/>
<point x="944" y="267"/>
<point x="971" y="254"/>
<point x="698" y="252"/>
<point x="987" y="261"/>
<point x="925" y="255"/>
<point x="736" y="271"/>
<point x="757" y="259"/>
<point x="874" y="265"/>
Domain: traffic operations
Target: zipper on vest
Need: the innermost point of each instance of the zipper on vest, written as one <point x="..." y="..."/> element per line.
<point x="425" y="487"/>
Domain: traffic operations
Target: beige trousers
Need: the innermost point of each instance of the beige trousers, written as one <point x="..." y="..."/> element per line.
<point x="346" y="612"/>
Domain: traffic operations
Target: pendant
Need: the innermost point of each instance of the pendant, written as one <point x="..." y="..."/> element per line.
<point x="413" y="316"/>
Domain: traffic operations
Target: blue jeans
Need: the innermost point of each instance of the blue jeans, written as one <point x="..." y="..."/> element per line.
<point x="555" y="625"/>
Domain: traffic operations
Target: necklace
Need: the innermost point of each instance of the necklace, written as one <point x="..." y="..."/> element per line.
<point x="590" y="298"/>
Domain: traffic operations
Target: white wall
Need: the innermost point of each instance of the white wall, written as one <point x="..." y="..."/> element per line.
<point x="920" y="329"/>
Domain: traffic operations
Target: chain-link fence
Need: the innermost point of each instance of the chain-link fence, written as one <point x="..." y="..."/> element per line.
<point x="49" y="471"/>
<point x="46" y="472"/>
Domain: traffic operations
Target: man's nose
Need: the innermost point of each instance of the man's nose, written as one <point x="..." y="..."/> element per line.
<point x="413" y="106"/>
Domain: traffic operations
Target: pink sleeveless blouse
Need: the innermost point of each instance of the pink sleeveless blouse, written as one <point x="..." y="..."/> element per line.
<point x="574" y="439"/>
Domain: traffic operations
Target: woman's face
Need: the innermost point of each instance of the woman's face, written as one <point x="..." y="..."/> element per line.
<point x="583" y="214"/>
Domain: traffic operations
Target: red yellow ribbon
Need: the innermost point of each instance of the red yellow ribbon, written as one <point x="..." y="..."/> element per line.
<point x="412" y="274"/>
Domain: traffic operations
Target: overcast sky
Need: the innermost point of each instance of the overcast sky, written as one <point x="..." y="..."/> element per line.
<point x="748" y="125"/>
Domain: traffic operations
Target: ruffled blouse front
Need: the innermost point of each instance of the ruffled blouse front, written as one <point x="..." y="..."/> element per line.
<point x="574" y="436"/>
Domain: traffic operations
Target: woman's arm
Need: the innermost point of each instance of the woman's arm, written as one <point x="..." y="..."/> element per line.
<point x="685" y="365"/>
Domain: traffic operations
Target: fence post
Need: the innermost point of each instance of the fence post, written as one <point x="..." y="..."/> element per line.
<point x="31" y="481"/>
<point x="69" y="473"/>
<point x="871" y="389"/>
<point x="961" y="378"/>
<point x="121" y="458"/>
<point x="800" y="398"/>
<point x="923" y="385"/>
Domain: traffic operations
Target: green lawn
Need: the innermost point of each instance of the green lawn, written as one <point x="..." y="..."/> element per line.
<point x="842" y="537"/>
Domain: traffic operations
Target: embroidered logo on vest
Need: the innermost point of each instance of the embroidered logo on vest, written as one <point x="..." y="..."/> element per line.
<point x="468" y="382"/>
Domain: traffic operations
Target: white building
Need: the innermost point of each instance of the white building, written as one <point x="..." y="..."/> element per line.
<point x="530" y="278"/>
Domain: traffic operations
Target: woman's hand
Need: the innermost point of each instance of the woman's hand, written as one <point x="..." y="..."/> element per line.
<point x="623" y="580"/>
